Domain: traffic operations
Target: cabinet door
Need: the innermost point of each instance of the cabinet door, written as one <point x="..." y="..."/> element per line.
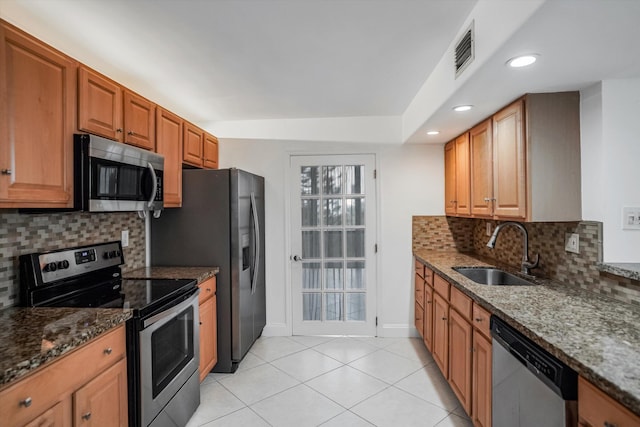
<point x="460" y="341"/>
<point x="509" y="163"/>
<point x="210" y="152"/>
<point x="450" y="178"/>
<point x="37" y="121"/>
<point x="595" y="408"/>
<point x="208" y="337"/>
<point x="463" y="197"/>
<point x="52" y="417"/>
<point x="481" y="405"/>
<point x="139" y="121"/>
<point x="427" y="330"/>
<point x="193" y="143"/>
<point x="441" y="333"/>
<point x="99" y="105"/>
<point x="103" y="400"/>
<point x="169" y="144"/>
<point x="481" y="154"/>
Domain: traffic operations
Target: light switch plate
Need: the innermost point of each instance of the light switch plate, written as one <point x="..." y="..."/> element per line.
<point x="572" y="242"/>
<point x="124" y="238"/>
<point x="630" y="218"/>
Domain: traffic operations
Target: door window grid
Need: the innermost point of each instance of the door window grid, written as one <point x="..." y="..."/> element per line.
<point x="333" y="237"/>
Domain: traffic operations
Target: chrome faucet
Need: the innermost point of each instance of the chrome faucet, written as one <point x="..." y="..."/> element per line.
<point x="526" y="264"/>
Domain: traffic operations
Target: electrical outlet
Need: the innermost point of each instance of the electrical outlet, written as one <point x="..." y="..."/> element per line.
<point x="124" y="238"/>
<point x="572" y="242"/>
<point x="488" y="229"/>
<point x="630" y="218"/>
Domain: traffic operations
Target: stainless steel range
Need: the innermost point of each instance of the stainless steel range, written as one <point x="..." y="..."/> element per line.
<point x="162" y="336"/>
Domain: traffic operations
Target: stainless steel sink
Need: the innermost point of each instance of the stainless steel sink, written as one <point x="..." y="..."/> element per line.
<point x="491" y="276"/>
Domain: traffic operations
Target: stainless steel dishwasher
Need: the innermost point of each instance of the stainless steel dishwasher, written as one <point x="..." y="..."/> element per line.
<point x="530" y="386"/>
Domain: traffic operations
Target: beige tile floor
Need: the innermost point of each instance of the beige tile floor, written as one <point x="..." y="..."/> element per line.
<point x="323" y="381"/>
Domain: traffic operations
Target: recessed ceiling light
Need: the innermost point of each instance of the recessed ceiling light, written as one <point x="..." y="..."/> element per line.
<point x="460" y="108"/>
<point x="433" y="132"/>
<point x="522" y="61"/>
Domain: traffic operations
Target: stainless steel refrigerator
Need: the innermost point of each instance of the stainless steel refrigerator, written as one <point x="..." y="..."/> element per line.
<point x="221" y="223"/>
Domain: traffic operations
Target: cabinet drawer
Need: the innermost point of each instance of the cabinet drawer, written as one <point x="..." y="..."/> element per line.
<point x="419" y="291"/>
<point x="461" y="302"/>
<point x="481" y="320"/>
<point x="419" y="268"/>
<point x="441" y="286"/>
<point x="428" y="276"/>
<point x="207" y="289"/>
<point x="597" y="409"/>
<point x="53" y="382"/>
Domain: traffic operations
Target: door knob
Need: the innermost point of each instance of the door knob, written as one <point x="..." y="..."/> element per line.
<point x="296" y="258"/>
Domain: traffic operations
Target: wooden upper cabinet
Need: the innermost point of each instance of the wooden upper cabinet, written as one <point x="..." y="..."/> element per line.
<point x="139" y="121"/>
<point x="509" y="163"/>
<point x="450" y="178"/>
<point x="37" y="120"/>
<point x="210" y="152"/>
<point x="99" y="105"/>
<point x="169" y="144"/>
<point x="463" y="196"/>
<point x="481" y="156"/>
<point x="193" y="144"/>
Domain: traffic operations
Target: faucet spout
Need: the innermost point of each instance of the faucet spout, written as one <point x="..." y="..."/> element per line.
<point x="526" y="264"/>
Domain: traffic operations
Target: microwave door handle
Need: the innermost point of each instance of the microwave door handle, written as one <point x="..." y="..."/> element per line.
<point x="154" y="188"/>
<point x="256" y="242"/>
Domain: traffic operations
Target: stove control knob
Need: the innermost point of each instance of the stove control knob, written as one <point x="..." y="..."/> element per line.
<point x="62" y="265"/>
<point x="52" y="266"/>
<point x="116" y="254"/>
<point x="106" y="255"/>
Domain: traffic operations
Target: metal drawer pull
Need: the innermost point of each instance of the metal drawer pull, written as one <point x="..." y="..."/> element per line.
<point x="130" y="133"/>
<point x="26" y="402"/>
<point x="6" y="171"/>
<point x="119" y="130"/>
<point x="608" y="424"/>
<point x="208" y="289"/>
<point x="108" y="350"/>
<point x="86" y="416"/>
<point x="478" y="319"/>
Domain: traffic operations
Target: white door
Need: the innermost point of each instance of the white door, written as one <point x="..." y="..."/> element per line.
<point x="333" y="238"/>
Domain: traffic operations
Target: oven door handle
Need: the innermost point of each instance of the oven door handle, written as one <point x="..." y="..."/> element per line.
<point x="171" y="312"/>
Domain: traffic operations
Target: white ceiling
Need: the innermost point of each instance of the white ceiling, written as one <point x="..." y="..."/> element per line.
<point x="229" y="64"/>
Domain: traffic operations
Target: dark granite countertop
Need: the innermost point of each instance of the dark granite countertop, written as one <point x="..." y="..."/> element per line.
<point x="630" y="270"/>
<point x="170" y="272"/>
<point x="596" y="336"/>
<point x="31" y="337"/>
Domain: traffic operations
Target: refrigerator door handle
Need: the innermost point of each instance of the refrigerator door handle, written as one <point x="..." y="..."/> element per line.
<point x="256" y="242"/>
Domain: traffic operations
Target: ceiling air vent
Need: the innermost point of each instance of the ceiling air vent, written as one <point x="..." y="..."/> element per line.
<point x="464" y="53"/>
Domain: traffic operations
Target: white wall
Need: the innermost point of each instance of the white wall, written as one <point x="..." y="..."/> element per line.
<point x="610" y="131"/>
<point x="410" y="182"/>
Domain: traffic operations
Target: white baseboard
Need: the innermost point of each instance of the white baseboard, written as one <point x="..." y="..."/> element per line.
<point x="276" y="330"/>
<point x="397" y="330"/>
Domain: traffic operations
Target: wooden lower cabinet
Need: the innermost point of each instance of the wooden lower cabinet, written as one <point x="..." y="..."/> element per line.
<point x="441" y="333"/>
<point x="481" y="381"/>
<point x="427" y="329"/>
<point x="596" y="409"/>
<point x="103" y="401"/>
<point x="460" y="346"/>
<point x="88" y="386"/>
<point x="208" y="327"/>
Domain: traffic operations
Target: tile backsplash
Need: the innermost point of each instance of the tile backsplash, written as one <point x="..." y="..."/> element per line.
<point x="26" y="233"/>
<point x="545" y="239"/>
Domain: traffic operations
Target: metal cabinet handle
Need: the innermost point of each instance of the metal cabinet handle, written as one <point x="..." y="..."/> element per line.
<point x="208" y="289"/>
<point x="26" y="402"/>
<point x="108" y="351"/>
<point x="608" y="424"/>
<point x="478" y="319"/>
<point x="6" y="171"/>
<point x="86" y="416"/>
<point x="444" y="318"/>
<point x="130" y="133"/>
<point x="119" y="130"/>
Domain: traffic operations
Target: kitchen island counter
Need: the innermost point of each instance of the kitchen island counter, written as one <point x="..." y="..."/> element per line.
<point x="595" y="335"/>
<point x="172" y="272"/>
<point x="32" y="337"/>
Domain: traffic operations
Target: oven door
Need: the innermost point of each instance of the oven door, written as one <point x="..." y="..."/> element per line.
<point x="169" y="356"/>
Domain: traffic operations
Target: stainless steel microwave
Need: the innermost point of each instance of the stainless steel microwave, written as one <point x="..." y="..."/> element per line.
<point x="111" y="176"/>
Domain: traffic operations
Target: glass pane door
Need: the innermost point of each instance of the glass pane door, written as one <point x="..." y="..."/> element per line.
<point x="336" y="229"/>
